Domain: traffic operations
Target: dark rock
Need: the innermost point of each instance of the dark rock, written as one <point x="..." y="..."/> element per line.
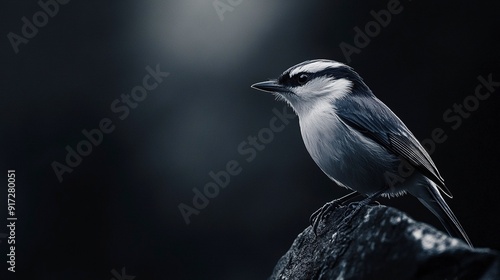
<point x="382" y="243"/>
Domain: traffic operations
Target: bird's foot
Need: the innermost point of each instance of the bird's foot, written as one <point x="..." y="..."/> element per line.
<point x="321" y="213"/>
<point x="324" y="211"/>
<point x="375" y="203"/>
<point x="348" y="215"/>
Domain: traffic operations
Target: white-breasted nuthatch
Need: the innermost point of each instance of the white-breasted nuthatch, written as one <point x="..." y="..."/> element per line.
<point x="356" y="139"/>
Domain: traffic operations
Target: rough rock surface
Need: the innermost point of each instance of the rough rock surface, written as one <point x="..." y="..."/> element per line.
<point x="382" y="243"/>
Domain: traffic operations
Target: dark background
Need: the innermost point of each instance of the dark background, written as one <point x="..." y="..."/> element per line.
<point x="119" y="207"/>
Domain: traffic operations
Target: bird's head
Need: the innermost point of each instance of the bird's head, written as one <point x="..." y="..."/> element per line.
<point x="315" y="82"/>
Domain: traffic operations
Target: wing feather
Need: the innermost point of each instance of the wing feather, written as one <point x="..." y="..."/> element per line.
<point x="377" y="122"/>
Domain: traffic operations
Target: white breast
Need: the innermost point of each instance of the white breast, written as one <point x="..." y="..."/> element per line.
<point x="345" y="155"/>
<point x="319" y="128"/>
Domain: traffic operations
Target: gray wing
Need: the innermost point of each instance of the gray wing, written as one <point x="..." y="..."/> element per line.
<point x="376" y="121"/>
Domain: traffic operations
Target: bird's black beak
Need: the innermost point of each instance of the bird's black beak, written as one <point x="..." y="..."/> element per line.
<point x="270" y="86"/>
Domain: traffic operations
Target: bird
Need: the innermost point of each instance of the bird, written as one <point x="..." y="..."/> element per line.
<point x="357" y="141"/>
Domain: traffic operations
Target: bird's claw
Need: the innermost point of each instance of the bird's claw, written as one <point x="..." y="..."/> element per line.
<point x="320" y="214"/>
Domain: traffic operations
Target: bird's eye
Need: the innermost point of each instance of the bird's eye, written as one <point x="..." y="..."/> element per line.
<point x="302" y="79"/>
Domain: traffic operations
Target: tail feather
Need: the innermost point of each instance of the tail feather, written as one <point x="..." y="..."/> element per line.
<point x="432" y="199"/>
